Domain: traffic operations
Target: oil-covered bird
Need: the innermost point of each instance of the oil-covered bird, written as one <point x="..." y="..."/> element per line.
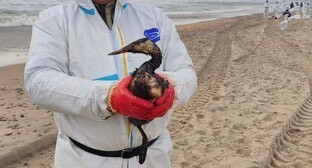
<point x="146" y="83"/>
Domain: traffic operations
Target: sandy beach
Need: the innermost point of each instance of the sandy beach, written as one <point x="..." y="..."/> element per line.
<point x="252" y="108"/>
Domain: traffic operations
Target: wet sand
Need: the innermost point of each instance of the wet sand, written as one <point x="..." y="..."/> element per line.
<point x="252" y="108"/>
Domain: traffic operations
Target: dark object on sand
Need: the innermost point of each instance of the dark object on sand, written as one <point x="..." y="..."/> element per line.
<point x="287" y="13"/>
<point x="146" y="83"/>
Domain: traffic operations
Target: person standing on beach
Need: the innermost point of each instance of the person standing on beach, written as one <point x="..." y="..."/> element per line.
<point x="284" y="6"/>
<point x="287" y="14"/>
<point x="69" y="72"/>
<point x="266" y="9"/>
<point x="291" y="5"/>
<point x="276" y="10"/>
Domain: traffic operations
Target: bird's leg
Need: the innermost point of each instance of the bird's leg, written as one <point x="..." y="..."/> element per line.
<point x="143" y="150"/>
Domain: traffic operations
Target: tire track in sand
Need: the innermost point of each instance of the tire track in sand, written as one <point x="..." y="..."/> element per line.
<point x="295" y="138"/>
<point x="20" y="152"/>
<point x="189" y="137"/>
<point x="292" y="146"/>
<point x="209" y="78"/>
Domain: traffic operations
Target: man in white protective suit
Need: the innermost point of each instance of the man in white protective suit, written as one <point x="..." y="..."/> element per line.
<point x="69" y="72"/>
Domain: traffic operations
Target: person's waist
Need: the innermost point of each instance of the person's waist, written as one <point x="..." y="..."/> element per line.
<point x="112" y="145"/>
<point x="123" y="153"/>
<point x="110" y="140"/>
<point x="108" y="135"/>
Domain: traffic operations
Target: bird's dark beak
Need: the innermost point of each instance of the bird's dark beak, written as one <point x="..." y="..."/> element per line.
<point x="142" y="45"/>
<point x="118" y="51"/>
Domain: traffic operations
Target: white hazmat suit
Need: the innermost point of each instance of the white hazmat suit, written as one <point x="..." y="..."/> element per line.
<point x="69" y="72"/>
<point x="266" y="9"/>
<point x="276" y="10"/>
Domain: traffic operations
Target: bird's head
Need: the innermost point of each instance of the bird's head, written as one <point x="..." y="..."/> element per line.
<point x="143" y="45"/>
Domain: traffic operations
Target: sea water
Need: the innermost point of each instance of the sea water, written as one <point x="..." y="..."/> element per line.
<point x="24" y="12"/>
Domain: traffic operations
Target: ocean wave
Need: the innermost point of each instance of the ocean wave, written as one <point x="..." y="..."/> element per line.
<point x="214" y="11"/>
<point x="21" y="12"/>
<point x="17" y="20"/>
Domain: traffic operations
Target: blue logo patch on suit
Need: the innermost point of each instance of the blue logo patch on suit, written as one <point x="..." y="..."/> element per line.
<point x="152" y="34"/>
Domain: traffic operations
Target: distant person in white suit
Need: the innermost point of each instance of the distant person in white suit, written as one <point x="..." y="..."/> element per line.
<point x="305" y="14"/>
<point x="297" y="11"/>
<point x="266" y="9"/>
<point x="284" y="6"/>
<point x="287" y="14"/>
<point x="276" y="10"/>
<point x="284" y="24"/>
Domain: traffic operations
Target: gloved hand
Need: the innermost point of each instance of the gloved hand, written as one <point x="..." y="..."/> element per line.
<point x="121" y="100"/>
<point x="162" y="104"/>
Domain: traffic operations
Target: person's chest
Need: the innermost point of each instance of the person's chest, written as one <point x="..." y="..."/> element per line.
<point x="90" y="41"/>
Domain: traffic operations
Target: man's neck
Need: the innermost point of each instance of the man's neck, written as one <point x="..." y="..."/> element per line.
<point x="106" y="11"/>
<point x="99" y="2"/>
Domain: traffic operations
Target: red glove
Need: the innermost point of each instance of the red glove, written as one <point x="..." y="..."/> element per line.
<point x="162" y="104"/>
<point x="124" y="102"/>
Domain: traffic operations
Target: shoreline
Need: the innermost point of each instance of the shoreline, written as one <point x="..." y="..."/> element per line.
<point x="15" y="40"/>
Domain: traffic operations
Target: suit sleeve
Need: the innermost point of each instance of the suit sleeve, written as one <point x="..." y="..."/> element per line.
<point x="47" y="77"/>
